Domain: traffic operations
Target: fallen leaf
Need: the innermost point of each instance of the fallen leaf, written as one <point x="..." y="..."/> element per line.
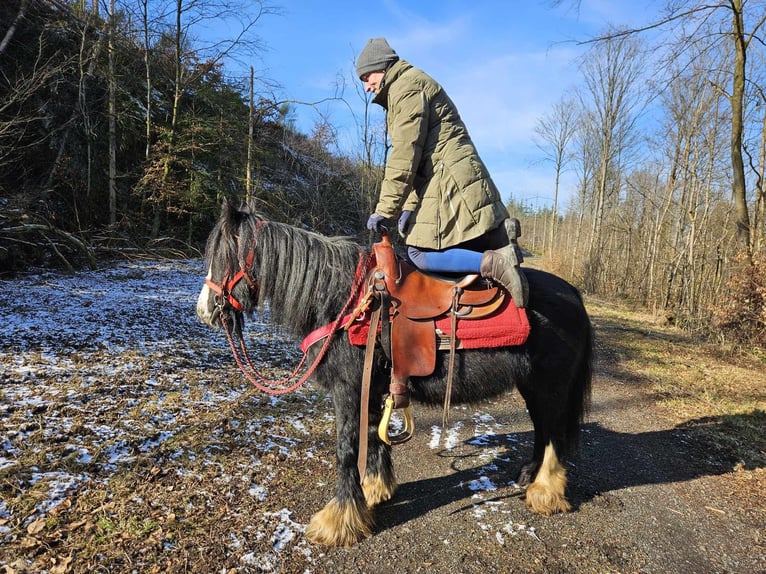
<point x="36" y="526"/>
<point x="30" y="542"/>
<point x="61" y="566"/>
<point x="106" y="506"/>
<point x="61" y="507"/>
<point x="76" y="525"/>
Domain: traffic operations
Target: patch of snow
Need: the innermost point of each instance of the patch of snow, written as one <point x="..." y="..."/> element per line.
<point x="258" y="492"/>
<point x="141" y="317"/>
<point x="60" y="484"/>
<point x="483" y="483"/>
<point x="452" y="438"/>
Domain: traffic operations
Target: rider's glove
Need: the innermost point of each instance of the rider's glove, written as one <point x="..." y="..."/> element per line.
<point x="373" y="223"/>
<point x="404" y="219"/>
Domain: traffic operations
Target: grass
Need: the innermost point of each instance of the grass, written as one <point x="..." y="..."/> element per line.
<point x="191" y="500"/>
<point x="718" y="394"/>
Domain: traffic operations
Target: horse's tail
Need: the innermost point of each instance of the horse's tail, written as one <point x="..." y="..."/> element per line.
<point x="580" y="391"/>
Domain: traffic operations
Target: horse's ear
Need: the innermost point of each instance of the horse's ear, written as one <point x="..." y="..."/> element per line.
<point x="230" y="216"/>
<point x="250" y="206"/>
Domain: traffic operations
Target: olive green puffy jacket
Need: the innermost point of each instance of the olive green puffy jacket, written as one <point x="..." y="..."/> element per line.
<point x="433" y="168"/>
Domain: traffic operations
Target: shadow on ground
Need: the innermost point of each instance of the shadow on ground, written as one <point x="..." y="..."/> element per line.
<point x="608" y="461"/>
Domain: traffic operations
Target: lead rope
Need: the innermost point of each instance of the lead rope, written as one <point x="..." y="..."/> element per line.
<point x="281" y="387"/>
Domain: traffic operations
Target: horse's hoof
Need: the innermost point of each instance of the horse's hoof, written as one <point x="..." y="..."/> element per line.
<point x="546" y="494"/>
<point x="376" y="490"/>
<point x="340" y="524"/>
<point x="527" y="474"/>
<point x="542" y="500"/>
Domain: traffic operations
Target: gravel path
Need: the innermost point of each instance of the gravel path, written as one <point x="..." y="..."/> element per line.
<point x="130" y="443"/>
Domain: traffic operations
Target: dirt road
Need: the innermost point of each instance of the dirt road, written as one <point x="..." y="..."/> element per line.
<point x="130" y="443"/>
<point x="648" y="495"/>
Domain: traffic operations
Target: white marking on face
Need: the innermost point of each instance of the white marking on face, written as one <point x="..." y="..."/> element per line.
<point x="204" y="307"/>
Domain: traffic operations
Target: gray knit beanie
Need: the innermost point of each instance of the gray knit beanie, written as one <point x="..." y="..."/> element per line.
<point x="376" y="56"/>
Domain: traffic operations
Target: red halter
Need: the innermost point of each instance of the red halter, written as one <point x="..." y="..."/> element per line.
<point x="224" y="290"/>
<point x="288" y="383"/>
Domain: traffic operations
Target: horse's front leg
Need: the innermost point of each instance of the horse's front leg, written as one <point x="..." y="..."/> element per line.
<point x="346" y="519"/>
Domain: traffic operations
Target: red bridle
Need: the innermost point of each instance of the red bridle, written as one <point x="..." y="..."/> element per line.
<point x="287" y="384"/>
<point x="224" y="290"/>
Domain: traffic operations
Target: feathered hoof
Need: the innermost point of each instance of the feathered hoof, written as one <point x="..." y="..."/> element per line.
<point x="340" y="524"/>
<point x="543" y="500"/>
<point x="546" y="494"/>
<point x="377" y="490"/>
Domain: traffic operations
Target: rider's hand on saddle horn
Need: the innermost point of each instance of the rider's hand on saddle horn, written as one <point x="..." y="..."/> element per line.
<point x="374" y="222"/>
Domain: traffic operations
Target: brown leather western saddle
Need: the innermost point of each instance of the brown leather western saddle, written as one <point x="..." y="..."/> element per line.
<point x="406" y="303"/>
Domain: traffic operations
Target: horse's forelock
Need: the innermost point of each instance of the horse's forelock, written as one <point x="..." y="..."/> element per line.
<point x="222" y="243"/>
<point x="234" y="236"/>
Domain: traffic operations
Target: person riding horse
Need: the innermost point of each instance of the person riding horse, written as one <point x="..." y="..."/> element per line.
<point x="449" y="210"/>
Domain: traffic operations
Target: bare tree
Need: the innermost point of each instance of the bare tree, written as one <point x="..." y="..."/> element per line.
<point x="187" y="16"/>
<point x="738" y="23"/>
<point x="250" y="143"/>
<point x="112" y="118"/>
<point x="555" y="132"/>
<point x="611" y="73"/>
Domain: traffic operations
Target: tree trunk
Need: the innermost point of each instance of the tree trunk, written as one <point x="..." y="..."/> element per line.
<point x="174" y="117"/>
<point x="12" y="29"/>
<point x="112" y="121"/>
<point x="148" y="76"/>
<point x="736" y="99"/>
<point x="250" y="127"/>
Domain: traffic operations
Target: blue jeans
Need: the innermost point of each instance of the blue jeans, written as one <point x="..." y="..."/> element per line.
<point x="462" y="258"/>
<point x="454" y="260"/>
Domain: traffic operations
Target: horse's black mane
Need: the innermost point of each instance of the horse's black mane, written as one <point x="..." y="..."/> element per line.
<point x="305" y="278"/>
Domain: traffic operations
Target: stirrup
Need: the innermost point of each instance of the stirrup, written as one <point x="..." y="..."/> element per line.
<point x="407" y="431"/>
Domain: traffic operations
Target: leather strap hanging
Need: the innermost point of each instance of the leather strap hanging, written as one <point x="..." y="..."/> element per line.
<point x="364" y="405"/>
<point x="452" y="349"/>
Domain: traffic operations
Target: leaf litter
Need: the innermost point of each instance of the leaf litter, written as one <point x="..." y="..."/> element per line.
<point x="130" y="442"/>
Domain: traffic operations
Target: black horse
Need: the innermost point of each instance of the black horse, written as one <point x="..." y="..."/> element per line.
<point x="305" y="279"/>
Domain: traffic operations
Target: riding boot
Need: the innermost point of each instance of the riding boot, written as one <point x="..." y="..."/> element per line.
<point x="502" y="265"/>
<point x="499" y="266"/>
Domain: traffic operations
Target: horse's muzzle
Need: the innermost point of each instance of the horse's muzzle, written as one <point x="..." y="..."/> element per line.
<point x="208" y="311"/>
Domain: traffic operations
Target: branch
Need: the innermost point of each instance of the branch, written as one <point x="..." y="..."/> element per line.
<point x="660" y="24"/>
<point x="12" y="30"/>
<point x="44" y="230"/>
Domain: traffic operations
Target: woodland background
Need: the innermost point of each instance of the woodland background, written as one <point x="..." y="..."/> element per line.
<point x="119" y="136"/>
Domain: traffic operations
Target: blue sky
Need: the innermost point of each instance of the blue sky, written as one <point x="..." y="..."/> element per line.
<point x="503" y="62"/>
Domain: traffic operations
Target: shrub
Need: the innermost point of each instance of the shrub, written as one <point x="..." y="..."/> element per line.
<point x="741" y="315"/>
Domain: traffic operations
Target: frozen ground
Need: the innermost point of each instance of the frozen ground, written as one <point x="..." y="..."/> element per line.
<point x="125" y="431"/>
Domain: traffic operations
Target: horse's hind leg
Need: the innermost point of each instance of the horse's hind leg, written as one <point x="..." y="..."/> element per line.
<point x="379" y="480"/>
<point x="545" y="476"/>
<point x="546" y="494"/>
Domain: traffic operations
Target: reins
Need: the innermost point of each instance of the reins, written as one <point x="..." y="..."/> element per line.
<point x="284" y="385"/>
